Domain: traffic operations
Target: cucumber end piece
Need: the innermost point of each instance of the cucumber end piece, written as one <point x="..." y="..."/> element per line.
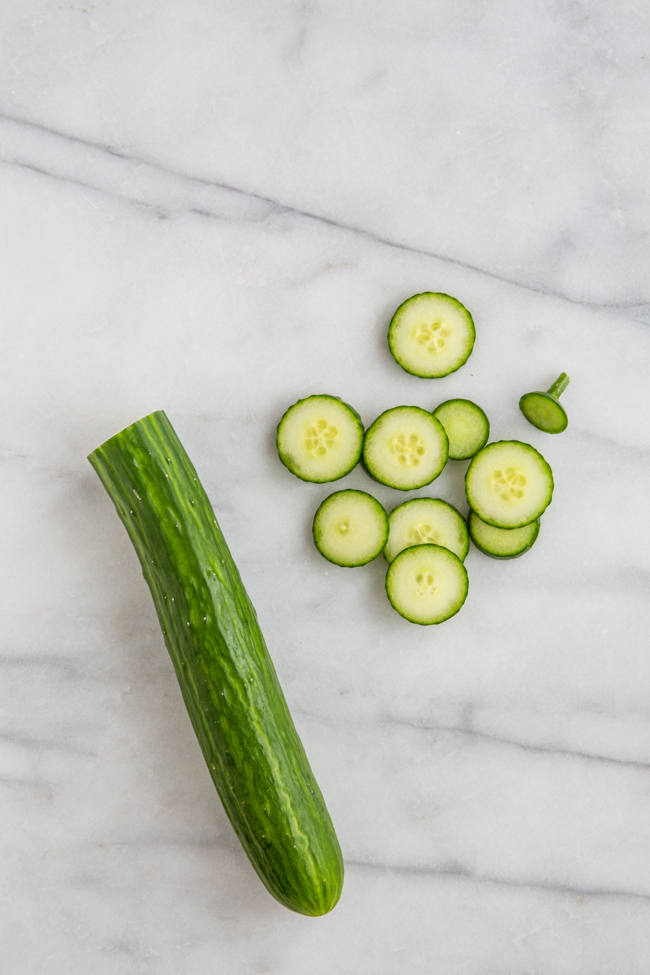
<point x="544" y="411"/>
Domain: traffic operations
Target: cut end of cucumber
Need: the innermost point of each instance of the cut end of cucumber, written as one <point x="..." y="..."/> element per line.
<point x="544" y="412"/>
<point x="431" y="335"/>
<point x="502" y="543"/>
<point x="320" y="439"/>
<point x="466" y="425"/>
<point x="509" y="484"/>
<point x="405" y="448"/>
<point x="426" y="584"/>
<point x="350" y="528"/>
<point x="425" y="521"/>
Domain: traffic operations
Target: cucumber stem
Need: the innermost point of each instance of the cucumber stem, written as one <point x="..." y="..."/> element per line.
<point x="559" y="385"/>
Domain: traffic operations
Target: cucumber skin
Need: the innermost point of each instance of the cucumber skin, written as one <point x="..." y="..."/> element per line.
<point x="229" y="685"/>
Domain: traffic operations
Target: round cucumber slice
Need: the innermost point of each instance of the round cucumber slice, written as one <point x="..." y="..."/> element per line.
<point x="431" y="335"/>
<point x="405" y="448"/>
<point x="544" y="410"/>
<point x="466" y="425"/>
<point x="426" y="584"/>
<point x="426" y="521"/>
<point x="509" y="484"/>
<point x="320" y="438"/>
<point x="502" y="543"/>
<point x="350" y="528"/>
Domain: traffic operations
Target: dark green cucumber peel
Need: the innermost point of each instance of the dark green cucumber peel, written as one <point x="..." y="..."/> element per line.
<point x="227" y="678"/>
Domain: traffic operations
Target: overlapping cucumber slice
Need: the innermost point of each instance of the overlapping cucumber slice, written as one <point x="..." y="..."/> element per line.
<point x="426" y="584"/>
<point x="502" y="543"/>
<point x="509" y="484"/>
<point x="405" y="448"/>
<point x="424" y="521"/>
<point x="466" y="425"/>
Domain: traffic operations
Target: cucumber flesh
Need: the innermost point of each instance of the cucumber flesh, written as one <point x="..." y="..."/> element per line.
<point x="544" y="410"/>
<point x="426" y="584"/>
<point x="405" y="448"/>
<point x="424" y="521"/>
<point x="466" y="425"/>
<point x="229" y="685"/>
<point x="350" y="528"/>
<point x="502" y="543"/>
<point x="431" y="335"/>
<point x="509" y="484"/>
<point x="320" y="438"/>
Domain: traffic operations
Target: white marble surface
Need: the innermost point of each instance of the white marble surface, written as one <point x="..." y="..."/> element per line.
<point x="212" y="208"/>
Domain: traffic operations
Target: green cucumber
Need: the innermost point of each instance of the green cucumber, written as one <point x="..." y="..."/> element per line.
<point x="466" y="425"/>
<point x="320" y="438"/>
<point x="544" y="410"/>
<point x="424" y="521"/>
<point x="509" y="484"/>
<point x="229" y="685"/>
<point x="426" y="584"/>
<point x="405" y="448"/>
<point x="502" y="543"/>
<point x="431" y="335"/>
<point x="350" y="528"/>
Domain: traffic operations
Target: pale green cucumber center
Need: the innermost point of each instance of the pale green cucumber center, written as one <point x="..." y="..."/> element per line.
<point x="426" y="521"/>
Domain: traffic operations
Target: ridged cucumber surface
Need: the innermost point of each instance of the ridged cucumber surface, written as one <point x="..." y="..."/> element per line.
<point x="229" y="685"/>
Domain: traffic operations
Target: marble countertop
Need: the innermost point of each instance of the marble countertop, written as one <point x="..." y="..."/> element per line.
<point x="213" y="208"/>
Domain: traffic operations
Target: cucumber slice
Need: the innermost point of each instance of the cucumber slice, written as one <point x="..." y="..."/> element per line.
<point x="509" y="484"/>
<point x="350" y="528"/>
<point x="431" y="335"/>
<point x="426" y="521"/>
<point x="502" y="543"/>
<point x="405" y="448"/>
<point x="466" y="426"/>
<point x="320" y="438"/>
<point x="544" y="410"/>
<point x="426" y="584"/>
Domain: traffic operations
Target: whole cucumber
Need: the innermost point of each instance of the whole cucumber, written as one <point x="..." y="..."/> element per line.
<point x="227" y="678"/>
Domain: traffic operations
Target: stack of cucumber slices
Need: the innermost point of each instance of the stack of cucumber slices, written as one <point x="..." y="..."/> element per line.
<point x="424" y="540"/>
